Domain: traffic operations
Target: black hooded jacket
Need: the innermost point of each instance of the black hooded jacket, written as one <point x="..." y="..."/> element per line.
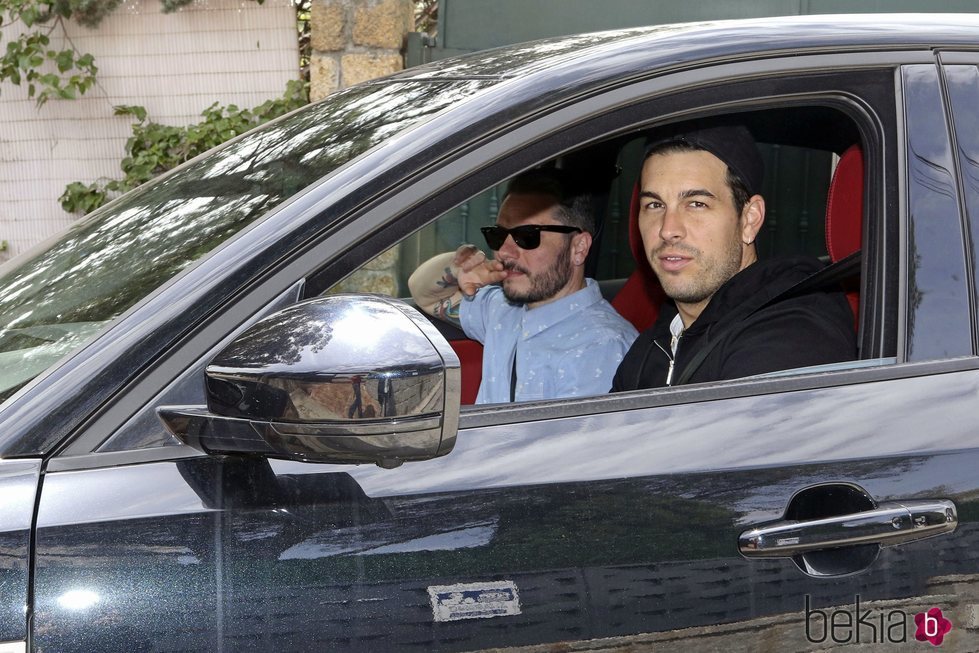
<point x="797" y="331"/>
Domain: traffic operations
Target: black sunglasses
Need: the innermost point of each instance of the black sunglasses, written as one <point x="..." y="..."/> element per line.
<point x="526" y="236"/>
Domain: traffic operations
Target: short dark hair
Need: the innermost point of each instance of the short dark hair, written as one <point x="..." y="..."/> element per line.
<point x="575" y="208"/>
<point x="739" y="189"/>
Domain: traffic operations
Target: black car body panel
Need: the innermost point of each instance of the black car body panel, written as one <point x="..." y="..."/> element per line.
<point x="307" y="557"/>
<point x="18" y="489"/>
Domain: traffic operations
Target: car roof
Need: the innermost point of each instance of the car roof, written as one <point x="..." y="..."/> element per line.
<point x="672" y="44"/>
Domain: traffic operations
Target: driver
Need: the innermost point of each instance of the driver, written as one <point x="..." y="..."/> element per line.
<point x="731" y="315"/>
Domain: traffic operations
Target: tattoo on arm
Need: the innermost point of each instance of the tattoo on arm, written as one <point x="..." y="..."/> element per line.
<point x="434" y="287"/>
<point x="448" y="279"/>
<point x="447" y="309"/>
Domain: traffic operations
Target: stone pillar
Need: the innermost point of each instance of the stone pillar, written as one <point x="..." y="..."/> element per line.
<point x="356" y="40"/>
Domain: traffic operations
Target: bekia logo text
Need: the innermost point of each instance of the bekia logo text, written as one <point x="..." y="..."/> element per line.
<point x="873" y="626"/>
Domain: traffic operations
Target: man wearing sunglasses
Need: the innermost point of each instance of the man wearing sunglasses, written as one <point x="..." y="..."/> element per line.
<point x="732" y="315"/>
<point x="546" y="330"/>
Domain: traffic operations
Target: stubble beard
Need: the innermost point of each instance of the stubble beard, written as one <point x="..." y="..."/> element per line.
<point x="544" y="284"/>
<point x="715" y="273"/>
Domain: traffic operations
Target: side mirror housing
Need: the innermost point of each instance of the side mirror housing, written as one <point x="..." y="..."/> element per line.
<point x="338" y="379"/>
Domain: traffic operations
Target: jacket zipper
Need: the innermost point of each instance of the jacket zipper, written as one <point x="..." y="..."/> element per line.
<point x="674" y="343"/>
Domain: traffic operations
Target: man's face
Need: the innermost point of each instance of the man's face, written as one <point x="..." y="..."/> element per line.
<point x="691" y="231"/>
<point x="540" y="275"/>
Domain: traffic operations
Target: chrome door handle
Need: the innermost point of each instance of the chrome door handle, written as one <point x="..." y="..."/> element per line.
<point x="889" y="524"/>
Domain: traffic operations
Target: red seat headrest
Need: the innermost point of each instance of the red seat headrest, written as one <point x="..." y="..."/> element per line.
<point x="640" y="298"/>
<point x="844" y="205"/>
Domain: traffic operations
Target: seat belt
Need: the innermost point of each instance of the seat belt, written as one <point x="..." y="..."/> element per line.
<point x="513" y="376"/>
<point x="832" y="274"/>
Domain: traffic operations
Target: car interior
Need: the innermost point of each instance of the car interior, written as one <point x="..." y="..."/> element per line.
<point x="814" y="193"/>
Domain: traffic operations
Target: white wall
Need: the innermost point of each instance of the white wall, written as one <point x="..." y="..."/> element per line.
<point x="175" y="65"/>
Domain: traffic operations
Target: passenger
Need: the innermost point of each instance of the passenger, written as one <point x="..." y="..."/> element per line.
<point x="699" y="214"/>
<point x="546" y="330"/>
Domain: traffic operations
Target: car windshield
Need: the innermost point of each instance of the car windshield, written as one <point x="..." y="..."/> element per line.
<point x="57" y="296"/>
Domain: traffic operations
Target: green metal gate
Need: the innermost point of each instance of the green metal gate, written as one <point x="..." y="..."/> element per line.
<point x="469" y="25"/>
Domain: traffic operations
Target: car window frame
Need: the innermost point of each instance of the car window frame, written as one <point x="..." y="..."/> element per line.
<point x="937" y="284"/>
<point x="500" y="155"/>
<point x="965" y="147"/>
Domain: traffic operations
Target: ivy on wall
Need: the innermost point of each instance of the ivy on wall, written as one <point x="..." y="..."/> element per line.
<point x="29" y="58"/>
<point x="155" y="148"/>
<point x="52" y="72"/>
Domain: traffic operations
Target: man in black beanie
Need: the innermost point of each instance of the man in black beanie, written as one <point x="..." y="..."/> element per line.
<point x="731" y="315"/>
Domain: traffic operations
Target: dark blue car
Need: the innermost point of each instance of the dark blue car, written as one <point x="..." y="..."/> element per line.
<point x="222" y="430"/>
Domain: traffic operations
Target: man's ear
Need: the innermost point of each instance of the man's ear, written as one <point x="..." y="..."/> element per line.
<point x="580" y="244"/>
<point x="752" y="218"/>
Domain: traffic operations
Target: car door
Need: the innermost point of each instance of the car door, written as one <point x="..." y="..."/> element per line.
<point x="625" y="516"/>
<point x="18" y="489"/>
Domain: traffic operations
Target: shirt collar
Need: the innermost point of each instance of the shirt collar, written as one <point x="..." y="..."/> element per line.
<point x="676" y="326"/>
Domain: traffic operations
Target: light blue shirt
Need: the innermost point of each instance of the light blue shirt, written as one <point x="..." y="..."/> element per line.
<point x="570" y="347"/>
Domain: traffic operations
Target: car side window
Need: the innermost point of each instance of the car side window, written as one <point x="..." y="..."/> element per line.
<point x="802" y="168"/>
<point x="802" y="146"/>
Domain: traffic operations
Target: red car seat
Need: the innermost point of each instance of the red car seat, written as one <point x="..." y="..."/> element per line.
<point x="640" y="298"/>
<point x="844" y="215"/>
<point x="470" y="355"/>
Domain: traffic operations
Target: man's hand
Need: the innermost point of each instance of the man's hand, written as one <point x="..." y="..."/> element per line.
<point x="437" y="286"/>
<point x="473" y="270"/>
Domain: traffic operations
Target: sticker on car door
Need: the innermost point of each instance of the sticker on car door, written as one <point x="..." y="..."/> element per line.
<point x="474" y="600"/>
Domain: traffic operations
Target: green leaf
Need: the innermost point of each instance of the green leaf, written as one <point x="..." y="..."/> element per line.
<point x="134" y="110"/>
<point x="30" y="15"/>
<point x="65" y="60"/>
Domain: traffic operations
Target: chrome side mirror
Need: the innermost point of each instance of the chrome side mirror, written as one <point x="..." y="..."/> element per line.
<point x="338" y="379"/>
